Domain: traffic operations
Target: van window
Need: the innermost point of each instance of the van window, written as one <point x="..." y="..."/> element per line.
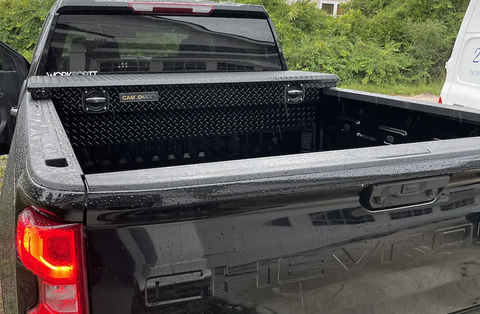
<point x="106" y="44"/>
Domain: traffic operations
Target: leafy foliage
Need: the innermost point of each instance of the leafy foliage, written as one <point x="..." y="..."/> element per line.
<point x="21" y="22"/>
<point x="375" y="42"/>
<point x="379" y="42"/>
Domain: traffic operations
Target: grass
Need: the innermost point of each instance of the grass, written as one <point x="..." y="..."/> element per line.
<point x="398" y="89"/>
<point x="1" y="300"/>
<point x="3" y="163"/>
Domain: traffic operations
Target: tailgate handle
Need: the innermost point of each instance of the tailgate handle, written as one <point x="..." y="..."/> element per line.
<point x="403" y="194"/>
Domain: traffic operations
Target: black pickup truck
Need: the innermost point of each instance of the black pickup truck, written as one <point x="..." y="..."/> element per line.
<point x="165" y="161"/>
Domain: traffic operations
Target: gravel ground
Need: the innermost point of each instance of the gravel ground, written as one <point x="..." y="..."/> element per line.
<point x="425" y="97"/>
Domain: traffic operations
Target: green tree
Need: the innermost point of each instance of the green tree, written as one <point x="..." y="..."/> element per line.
<point x="375" y="42"/>
<point x="21" y="22"/>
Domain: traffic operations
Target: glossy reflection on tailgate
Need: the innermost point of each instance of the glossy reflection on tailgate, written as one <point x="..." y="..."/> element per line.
<point x="322" y="258"/>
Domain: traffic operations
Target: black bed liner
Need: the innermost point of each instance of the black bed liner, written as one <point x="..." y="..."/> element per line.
<point x="212" y="117"/>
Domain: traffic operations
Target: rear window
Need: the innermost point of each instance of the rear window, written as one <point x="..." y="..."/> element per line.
<point x="106" y="44"/>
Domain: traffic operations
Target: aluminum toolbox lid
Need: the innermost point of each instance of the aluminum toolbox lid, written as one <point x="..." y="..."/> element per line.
<point x="39" y="85"/>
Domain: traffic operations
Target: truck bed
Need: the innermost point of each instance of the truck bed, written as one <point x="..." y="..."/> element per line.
<point x="208" y="117"/>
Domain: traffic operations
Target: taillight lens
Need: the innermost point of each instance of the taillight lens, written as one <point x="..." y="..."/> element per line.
<point x="55" y="253"/>
<point x="170" y="8"/>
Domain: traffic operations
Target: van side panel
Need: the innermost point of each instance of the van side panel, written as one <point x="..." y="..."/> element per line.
<point x="462" y="85"/>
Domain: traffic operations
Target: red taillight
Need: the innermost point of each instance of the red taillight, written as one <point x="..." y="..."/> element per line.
<point x="440" y="101"/>
<point x="55" y="253"/>
<point x="170" y="8"/>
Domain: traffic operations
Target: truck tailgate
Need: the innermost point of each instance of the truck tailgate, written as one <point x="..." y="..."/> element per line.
<point x="288" y="234"/>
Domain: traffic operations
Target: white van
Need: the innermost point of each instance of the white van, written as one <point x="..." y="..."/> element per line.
<point x="462" y="86"/>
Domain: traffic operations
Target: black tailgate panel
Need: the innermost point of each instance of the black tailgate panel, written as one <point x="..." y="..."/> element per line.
<point x="304" y="258"/>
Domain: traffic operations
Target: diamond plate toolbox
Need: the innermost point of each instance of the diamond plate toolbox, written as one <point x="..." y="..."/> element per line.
<point x="181" y="106"/>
